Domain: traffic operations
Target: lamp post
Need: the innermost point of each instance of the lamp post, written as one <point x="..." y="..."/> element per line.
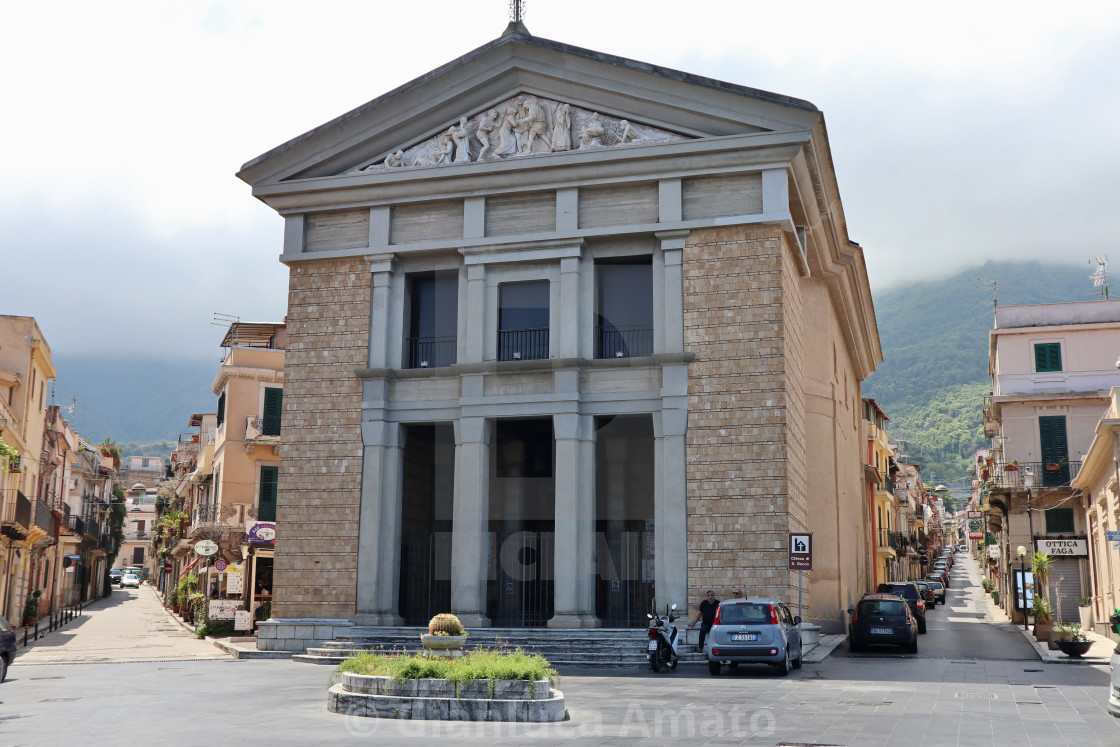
<point x="1022" y="552"/>
<point x="1028" y="483"/>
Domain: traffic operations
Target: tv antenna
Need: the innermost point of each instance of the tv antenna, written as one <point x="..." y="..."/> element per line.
<point x="517" y="10"/>
<point x="224" y="320"/>
<point x="1100" y="275"/>
<point x="994" y="286"/>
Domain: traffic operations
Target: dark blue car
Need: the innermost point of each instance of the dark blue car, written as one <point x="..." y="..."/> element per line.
<point x="7" y="647"/>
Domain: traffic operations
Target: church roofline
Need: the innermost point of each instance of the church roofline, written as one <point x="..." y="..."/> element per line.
<point x="517" y="32"/>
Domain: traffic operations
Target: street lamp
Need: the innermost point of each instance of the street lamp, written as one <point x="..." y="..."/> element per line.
<point x="1022" y="553"/>
<point x="1028" y="483"/>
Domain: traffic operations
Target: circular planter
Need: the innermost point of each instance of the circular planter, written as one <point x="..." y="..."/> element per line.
<point x="443" y="645"/>
<point x="1074" y="649"/>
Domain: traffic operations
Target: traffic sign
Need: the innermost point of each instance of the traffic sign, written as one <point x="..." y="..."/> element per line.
<point x="800" y="551"/>
<point x="220" y="565"/>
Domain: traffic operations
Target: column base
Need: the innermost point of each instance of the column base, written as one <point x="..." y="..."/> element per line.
<point x="574" y="620"/>
<point x="474" y="620"/>
<point x="379" y="619"/>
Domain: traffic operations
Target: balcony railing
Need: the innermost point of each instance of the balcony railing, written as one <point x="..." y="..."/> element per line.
<point x="107" y="543"/>
<point x="888" y="539"/>
<point x="43" y="516"/>
<point x="522" y="344"/>
<point x="1009" y="475"/>
<point x="76" y="524"/>
<point x="623" y="342"/>
<point x="207" y="514"/>
<point x="257" y="426"/>
<point x="431" y="352"/>
<point x="17" y="512"/>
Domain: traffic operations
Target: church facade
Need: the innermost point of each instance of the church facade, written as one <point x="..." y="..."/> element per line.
<point x="570" y="335"/>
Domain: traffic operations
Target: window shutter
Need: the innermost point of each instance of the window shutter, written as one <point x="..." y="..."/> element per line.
<point x="266" y="505"/>
<point x="221" y="408"/>
<point x="273" y="398"/>
<point x="1052" y="435"/>
<point x="1055" y="361"/>
<point x="1048" y="356"/>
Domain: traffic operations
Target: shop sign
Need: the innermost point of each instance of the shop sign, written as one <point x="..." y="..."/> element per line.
<point x="1063" y="548"/>
<point x="235" y="579"/>
<point x="261" y="533"/>
<point x="975" y="528"/>
<point x="993" y="552"/>
<point x="205" y="547"/>
<point x="242" y="620"/>
<point x="223" y="609"/>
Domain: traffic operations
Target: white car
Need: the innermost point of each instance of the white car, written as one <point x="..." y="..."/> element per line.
<point x="130" y="579"/>
<point x="1114" y="685"/>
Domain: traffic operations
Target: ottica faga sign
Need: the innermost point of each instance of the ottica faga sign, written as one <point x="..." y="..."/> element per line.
<point x="1063" y="548"/>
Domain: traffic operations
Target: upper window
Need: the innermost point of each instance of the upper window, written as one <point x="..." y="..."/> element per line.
<point x="221" y="408"/>
<point x="266" y="505"/>
<point x="624" y="301"/>
<point x="1059" y="521"/>
<point x="270" y="418"/>
<point x="433" y="316"/>
<point x="1048" y="356"/>
<point x="523" y="321"/>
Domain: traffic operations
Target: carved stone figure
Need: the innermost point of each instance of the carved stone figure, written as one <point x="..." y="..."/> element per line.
<point x="486" y="129"/>
<point x="562" y="128"/>
<point x="532" y="124"/>
<point x="591" y="134"/>
<point x="507" y="134"/>
<point x="462" y="141"/>
<point x="445" y="148"/>
<point x="394" y="160"/>
<point x="627" y="134"/>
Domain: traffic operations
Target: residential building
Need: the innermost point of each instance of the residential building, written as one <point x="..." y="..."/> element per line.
<point x="1052" y="368"/>
<point x="148" y="471"/>
<point x="569" y="336"/>
<point x="138" y="525"/>
<point x="882" y="505"/>
<point x="913" y="509"/>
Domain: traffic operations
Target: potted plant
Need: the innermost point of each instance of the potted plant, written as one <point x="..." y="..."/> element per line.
<point x="1072" y="641"/>
<point x="1040" y="608"/>
<point x="1012" y="467"/>
<point x="31" y="609"/>
<point x="445" y="637"/>
<point x="987" y="584"/>
<point x="1085" y="611"/>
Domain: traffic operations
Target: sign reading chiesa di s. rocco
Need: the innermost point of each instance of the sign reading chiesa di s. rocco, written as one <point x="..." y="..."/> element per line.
<point x="1069" y="548"/>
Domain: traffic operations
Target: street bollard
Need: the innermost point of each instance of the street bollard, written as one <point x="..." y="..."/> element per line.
<point x="25" y="636"/>
<point x="36" y="630"/>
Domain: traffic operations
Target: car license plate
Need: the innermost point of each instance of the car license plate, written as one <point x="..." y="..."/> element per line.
<point x="885" y="631"/>
<point x="653" y="645"/>
<point x="744" y="636"/>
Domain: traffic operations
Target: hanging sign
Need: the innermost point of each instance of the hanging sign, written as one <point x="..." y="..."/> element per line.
<point x="975" y="528"/>
<point x="261" y="533"/>
<point x="1063" y="548"/>
<point x="205" y="547"/>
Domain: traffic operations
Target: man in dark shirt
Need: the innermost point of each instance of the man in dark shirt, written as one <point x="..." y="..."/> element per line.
<point x="706" y="616"/>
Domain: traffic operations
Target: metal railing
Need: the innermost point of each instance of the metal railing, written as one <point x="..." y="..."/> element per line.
<point x="76" y="524"/>
<point x="431" y="352"/>
<point x="43" y="516"/>
<point x="522" y="344"/>
<point x="888" y="539"/>
<point x="623" y="342"/>
<point x="17" y="511"/>
<point x="107" y="543"/>
<point x="1011" y="475"/>
<point x="257" y="426"/>
<point x="207" y="513"/>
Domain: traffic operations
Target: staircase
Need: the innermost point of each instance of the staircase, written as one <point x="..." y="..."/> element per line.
<point x="612" y="648"/>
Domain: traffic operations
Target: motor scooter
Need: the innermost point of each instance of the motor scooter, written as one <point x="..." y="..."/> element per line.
<point x="662" y="640"/>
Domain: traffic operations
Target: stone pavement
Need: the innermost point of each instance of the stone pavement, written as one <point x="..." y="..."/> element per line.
<point x="128" y="625"/>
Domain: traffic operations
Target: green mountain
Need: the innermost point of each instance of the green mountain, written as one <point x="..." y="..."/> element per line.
<point x="935" y="355"/>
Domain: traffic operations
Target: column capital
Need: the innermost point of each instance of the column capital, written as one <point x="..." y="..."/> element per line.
<point x="381" y="263"/>
<point x="672" y="239"/>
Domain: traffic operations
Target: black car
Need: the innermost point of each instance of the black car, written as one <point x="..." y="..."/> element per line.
<point x="927" y="594"/>
<point x="115" y="576"/>
<point x="941" y="576"/>
<point x="7" y="646"/>
<point x="909" y="591"/>
<point x="882" y="619"/>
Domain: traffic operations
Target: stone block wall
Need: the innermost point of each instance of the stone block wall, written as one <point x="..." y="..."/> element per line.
<point x="745" y="441"/>
<point x="319" y="492"/>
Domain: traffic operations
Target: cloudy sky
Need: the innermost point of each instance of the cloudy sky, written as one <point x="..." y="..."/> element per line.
<point x="961" y="132"/>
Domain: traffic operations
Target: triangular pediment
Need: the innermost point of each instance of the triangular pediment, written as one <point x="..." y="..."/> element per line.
<point x="523" y="126"/>
<point x="420" y="123"/>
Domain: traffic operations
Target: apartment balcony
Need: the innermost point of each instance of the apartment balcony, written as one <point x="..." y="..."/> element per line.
<point x="888" y="543"/>
<point x="15" y="517"/>
<point x="1045" y="475"/>
<point x="624" y="342"/>
<point x="92" y="528"/>
<point x="522" y="344"/>
<point x="75" y="524"/>
<point x="431" y="352"/>
<point x="42" y="516"/>
<point x="107" y="543"/>
<point x="261" y="430"/>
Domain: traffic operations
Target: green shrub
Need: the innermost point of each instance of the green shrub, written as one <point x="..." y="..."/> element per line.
<point x="477" y="665"/>
<point x="214" y="627"/>
<point x="445" y="624"/>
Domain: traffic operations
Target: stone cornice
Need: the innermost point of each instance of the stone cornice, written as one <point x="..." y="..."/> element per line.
<point x="521" y="367"/>
<point x="225" y="373"/>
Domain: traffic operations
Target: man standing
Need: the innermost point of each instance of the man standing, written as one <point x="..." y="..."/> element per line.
<point x="706" y="615"/>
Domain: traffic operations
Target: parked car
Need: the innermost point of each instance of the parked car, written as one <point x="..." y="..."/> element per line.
<point x="115" y="575"/>
<point x="1114" y="684"/>
<point x="938" y="590"/>
<point x="942" y="576"/>
<point x="130" y="579"/>
<point x="909" y="591"/>
<point x="962" y="548"/>
<point x="754" y="631"/>
<point x="882" y="619"/>
<point x="927" y="594"/>
<point x="7" y="646"/>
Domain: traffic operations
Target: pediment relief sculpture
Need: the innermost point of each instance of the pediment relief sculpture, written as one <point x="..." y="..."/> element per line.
<point x="525" y="125"/>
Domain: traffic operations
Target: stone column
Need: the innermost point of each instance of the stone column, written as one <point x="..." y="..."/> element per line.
<point x="381" y="268"/>
<point x="671" y="310"/>
<point x="470" y="523"/>
<point x="574" y="565"/>
<point x="670" y="510"/>
<point x="569" y="308"/>
<point x="379" y="524"/>
<point x="472" y="324"/>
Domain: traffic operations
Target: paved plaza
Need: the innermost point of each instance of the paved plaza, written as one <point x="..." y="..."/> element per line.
<point x="127" y="673"/>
